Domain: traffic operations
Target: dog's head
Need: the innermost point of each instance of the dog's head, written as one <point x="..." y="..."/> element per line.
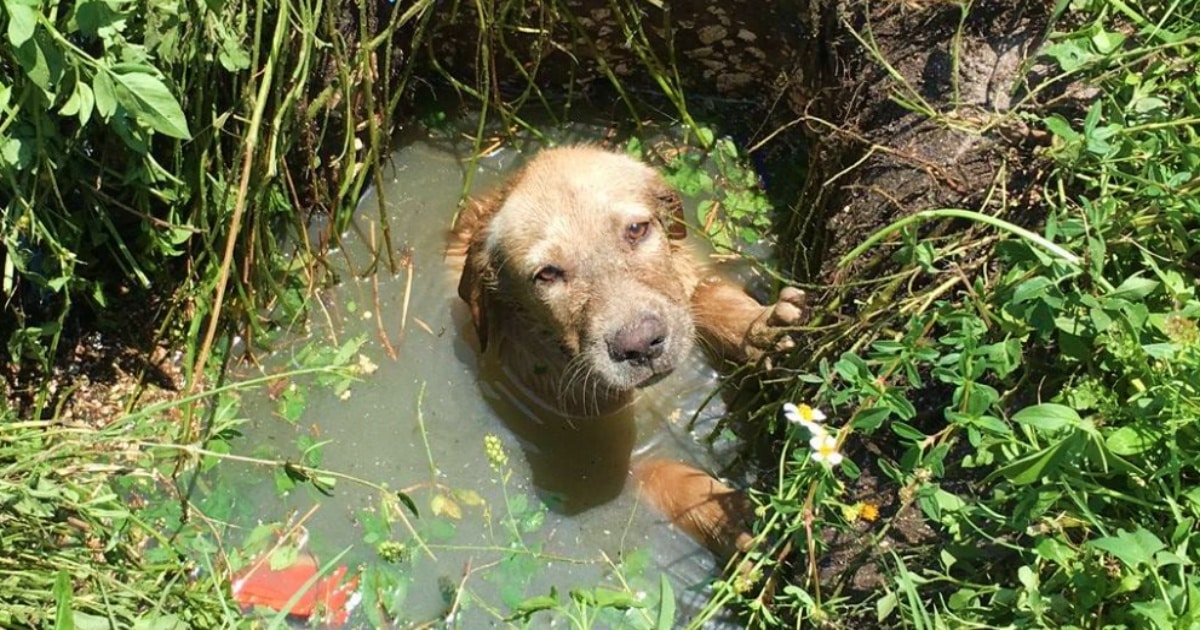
<point x="575" y="261"/>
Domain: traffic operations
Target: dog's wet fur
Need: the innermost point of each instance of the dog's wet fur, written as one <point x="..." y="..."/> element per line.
<point x="579" y="284"/>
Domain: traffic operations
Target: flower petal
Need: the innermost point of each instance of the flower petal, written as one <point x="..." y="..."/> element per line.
<point x="824" y="448"/>
<point x="815" y="430"/>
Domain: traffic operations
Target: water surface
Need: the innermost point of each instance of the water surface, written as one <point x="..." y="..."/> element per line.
<point x="564" y="502"/>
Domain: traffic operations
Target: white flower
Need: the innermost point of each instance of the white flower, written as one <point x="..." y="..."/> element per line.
<point x="806" y="417"/>
<point x="824" y="448"/>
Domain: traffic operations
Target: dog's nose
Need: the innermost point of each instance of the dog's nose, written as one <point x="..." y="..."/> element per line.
<point x="639" y="341"/>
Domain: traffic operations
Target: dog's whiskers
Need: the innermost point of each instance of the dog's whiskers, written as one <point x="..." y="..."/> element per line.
<point x="573" y="382"/>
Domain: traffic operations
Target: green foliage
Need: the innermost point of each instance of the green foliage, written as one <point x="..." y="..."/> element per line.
<point x="734" y="211"/>
<point x="89" y="131"/>
<point x="82" y="545"/>
<point x="141" y="146"/>
<point x="1040" y="410"/>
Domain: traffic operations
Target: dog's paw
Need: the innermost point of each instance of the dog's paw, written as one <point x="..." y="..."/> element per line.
<point x="770" y="331"/>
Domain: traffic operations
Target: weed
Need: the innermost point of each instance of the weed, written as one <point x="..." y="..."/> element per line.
<point x="1033" y="396"/>
<point x="733" y="211"/>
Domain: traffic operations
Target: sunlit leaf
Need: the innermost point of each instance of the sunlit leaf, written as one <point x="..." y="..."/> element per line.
<point x="666" y="604"/>
<point x="148" y="98"/>
<point x="1133" y="548"/>
<point x="1028" y="469"/>
<point x="63" y="619"/>
<point x="22" y="20"/>
<point x="1047" y="417"/>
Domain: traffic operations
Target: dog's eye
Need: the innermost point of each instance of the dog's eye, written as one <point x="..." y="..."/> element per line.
<point x="549" y="274"/>
<point x="637" y="231"/>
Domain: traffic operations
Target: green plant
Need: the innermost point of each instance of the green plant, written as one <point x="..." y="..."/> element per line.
<point x="1031" y="396"/>
<point x="733" y="211"/>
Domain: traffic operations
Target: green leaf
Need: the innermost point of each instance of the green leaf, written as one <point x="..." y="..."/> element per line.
<point x="1048" y="417"/>
<point x="1129" y="440"/>
<point x="22" y="20"/>
<point x="908" y="431"/>
<point x="105" y="93"/>
<point x="149" y="100"/>
<point x="666" y="605"/>
<point x="98" y="19"/>
<point x="1165" y="351"/>
<point x="1059" y="126"/>
<point x="86" y="621"/>
<point x="159" y="622"/>
<point x="1030" y="468"/>
<point x="609" y="598"/>
<point x="1055" y="551"/>
<point x="536" y="604"/>
<point x="408" y="503"/>
<point x="284" y="557"/>
<point x="292" y="403"/>
<point x="1134" y="288"/>
<point x="63" y="619"/>
<point x="80" y="104"/>
<point x="1132" y="548"/>
<point x="42" y="61"/>
<point x="869" y="419"/>
<point x="324" y="484"/>
<point x="1106" y="42"/>
<point x="1156" y="614"/>
<point x="948" y="502"/>
<point x="17" y="151"/>
<point x="87" y="103"/>
<point x="1069" y="55"/>
<point x="885" y="606"/>
<point x="852" y="368"/>
<point x="232" y="55"/>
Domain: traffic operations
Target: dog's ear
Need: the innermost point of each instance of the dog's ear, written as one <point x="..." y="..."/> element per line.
<point x="670" y="208"/>
<point x="468" y="238"/>
<point x="472" y="288"/>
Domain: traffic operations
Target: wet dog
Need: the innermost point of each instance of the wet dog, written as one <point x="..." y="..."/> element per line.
<point x="579" y="284"/>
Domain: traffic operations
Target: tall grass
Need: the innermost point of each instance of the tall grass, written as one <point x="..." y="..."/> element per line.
<point x="184" y="147"/>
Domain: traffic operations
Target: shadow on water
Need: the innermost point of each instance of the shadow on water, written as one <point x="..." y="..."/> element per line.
<point x="563" y="499"/>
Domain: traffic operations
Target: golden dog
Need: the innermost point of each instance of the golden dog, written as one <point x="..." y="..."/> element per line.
<point x="578" y="283"/>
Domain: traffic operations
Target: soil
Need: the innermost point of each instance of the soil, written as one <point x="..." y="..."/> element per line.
<point x="886" y="160"/>
<point x="105" y="367"/>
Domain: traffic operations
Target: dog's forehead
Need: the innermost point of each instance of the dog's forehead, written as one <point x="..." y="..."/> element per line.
<point x="567" y="192"/>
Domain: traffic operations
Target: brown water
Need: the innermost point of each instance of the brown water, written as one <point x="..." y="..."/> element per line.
<point x="419" y="422"/>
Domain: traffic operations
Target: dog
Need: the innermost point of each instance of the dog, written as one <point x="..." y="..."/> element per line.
<point x="579" y="284"/>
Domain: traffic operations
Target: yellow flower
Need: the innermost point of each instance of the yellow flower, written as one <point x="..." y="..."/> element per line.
<point x="868" y="511"/>
<point x="494" y="449"/>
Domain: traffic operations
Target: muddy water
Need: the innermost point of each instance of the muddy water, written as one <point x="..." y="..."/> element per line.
<point x="419" y="421"/>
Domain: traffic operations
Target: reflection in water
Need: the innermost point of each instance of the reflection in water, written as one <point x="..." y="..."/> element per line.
<point x="575" y="463"/>
<point x="419" y="422"/>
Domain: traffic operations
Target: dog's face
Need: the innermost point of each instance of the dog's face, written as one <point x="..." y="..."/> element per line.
<point x="576" y="264"/>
